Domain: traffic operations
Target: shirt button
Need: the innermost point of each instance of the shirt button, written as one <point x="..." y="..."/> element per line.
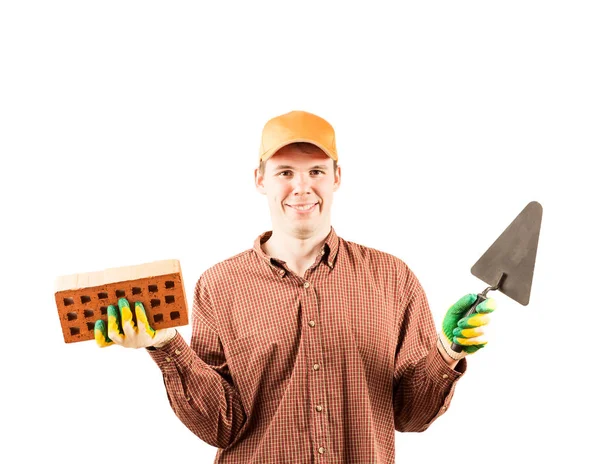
<point x="319" y="408"/>
<point x="177" y="351"/>
<point x="282" y="272"/>
<point x="168" y="359"/>
<point x="321" y="450"/>
<point x="330" y="263"/>
<point x="322" y="252"/>
<point x="316" y="367"/>
<point x="445" y="376"/>
<point x="306" y="284"/>
<point x="311" y="323"/>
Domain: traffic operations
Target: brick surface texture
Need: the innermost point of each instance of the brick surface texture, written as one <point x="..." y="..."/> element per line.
<point x="81" y="299"/>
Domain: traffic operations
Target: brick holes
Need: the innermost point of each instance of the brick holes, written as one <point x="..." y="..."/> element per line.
<point x="162" y="297"/>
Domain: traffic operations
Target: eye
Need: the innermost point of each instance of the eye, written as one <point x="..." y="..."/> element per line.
<point x="317" y="171"/>
<point x="284" y="173"/>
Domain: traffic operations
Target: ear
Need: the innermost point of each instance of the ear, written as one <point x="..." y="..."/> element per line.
<point x="259" y="180"/>
<point x="337" y="178"/>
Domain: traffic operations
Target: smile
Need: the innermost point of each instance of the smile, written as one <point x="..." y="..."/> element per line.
<point x="303" y="208"/>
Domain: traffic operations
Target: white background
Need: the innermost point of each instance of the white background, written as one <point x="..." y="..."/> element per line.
<point x="129" y="132"/>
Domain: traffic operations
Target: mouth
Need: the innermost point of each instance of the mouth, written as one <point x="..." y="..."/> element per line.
<point x="303" y="208"/>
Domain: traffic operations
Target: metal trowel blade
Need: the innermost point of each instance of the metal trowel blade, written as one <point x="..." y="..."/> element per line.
<point x="513" y="253"/>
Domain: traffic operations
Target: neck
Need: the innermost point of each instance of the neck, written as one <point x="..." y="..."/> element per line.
<point x="297" y="252"/>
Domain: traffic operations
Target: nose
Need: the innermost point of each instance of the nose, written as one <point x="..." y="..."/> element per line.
<point x="302" y="184"/>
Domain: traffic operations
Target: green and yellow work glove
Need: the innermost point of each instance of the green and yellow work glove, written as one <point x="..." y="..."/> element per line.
<point x="123" y="331"/>
<point x="468" y="332"/>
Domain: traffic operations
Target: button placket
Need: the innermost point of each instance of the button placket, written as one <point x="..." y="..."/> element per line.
<point x="314" y="361"/>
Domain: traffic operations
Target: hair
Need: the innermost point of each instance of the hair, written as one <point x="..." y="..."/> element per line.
<point x="306" y="147"/>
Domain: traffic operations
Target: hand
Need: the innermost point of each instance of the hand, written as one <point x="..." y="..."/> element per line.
<point x="123" y="331"/>
<point x="469" y="332"/>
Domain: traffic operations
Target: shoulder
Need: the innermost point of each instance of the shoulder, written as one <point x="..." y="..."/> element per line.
<point x="381" y="265"/>
<point x="373" y="257"/>
<point x="231" y="271"/>
<point x="239" y="264"/>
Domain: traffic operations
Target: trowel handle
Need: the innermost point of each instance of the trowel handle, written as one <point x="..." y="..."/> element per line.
<point x="472" y="309"/>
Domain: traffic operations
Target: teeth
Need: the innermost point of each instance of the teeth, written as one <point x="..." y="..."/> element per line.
<point x="303" y="208"/>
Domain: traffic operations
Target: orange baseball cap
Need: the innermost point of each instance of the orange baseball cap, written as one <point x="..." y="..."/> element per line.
<point x="297" y="126"/>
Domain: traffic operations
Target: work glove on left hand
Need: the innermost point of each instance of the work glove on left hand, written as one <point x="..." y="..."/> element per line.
<point x="123" y="331"/>
<point x="469" y="332"/>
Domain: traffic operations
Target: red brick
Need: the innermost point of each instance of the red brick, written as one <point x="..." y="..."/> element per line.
<point x="81" y="299"/>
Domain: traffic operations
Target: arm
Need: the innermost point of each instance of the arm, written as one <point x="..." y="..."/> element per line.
<point x="423" y="381"/>
<point x="451" y="362"/>
<point x="197" y="378"/>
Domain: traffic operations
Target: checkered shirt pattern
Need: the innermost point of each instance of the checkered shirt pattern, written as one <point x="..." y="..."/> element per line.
<point x="320" y="368"/>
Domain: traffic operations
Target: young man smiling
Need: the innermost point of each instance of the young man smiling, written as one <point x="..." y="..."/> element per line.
<point x="298" y="181"/>
<point x="306" y="347"/>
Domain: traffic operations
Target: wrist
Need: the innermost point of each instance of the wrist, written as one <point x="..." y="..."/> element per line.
<point x="169" y="335"/>
<point x="445" y="348"/>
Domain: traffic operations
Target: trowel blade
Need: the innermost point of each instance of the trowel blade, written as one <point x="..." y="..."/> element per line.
<point x="513" y="253"/>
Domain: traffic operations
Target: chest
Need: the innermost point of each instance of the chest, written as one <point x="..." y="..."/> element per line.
<point x="358" y="314"/>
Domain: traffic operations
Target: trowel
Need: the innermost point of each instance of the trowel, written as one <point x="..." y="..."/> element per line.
<point x="508" y="264"/>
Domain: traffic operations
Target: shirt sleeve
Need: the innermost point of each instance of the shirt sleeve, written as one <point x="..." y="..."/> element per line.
<point x="197" y="378"/>
<point x="423" y="383"/>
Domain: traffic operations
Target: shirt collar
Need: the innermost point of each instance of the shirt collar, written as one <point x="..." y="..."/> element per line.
<point x="332" y="245"/>
<point x="329" y="251"/>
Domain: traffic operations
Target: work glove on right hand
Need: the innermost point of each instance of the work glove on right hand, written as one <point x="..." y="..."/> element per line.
<point x="469" y="332"/>
<point x="123" y="331"/>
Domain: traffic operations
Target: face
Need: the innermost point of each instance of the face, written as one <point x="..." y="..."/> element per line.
<point x="299" y="188"/>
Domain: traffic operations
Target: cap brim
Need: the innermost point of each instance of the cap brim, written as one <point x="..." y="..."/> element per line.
<point x="266" y="155"/>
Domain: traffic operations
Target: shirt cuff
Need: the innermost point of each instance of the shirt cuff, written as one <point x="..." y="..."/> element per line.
<point x="174" y="356"/>
<point x="440" y="372"/>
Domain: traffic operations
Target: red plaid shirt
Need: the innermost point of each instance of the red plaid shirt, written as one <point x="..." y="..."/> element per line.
<point x="321" y="368"/>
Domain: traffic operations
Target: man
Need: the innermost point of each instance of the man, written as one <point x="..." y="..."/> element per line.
<point x="306" y="347"/>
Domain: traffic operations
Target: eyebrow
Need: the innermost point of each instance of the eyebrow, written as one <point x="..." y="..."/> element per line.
<point x="285" y="166"/>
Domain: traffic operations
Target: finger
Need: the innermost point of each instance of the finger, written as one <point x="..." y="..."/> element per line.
<point x="463" y="304"/>
<point x="481" y="340"/>
<point x="101" y="334"/>
<point x="468" y="333"/>
<point x="486" y="306"/>
<point x="115" y="331"/>
<point x="475" y="320"/>
<point x="129" y="328"/>
<point x="142" y="319"/>
<point x="473" y="348"/>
